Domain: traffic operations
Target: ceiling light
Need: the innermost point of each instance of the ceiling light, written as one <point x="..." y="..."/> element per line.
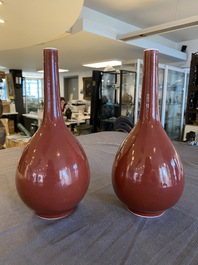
<point x="63" y="70"/>
<point x="103" y="64"/>
<point x="2" y="68"/>
<point x="59" y="70"/>
<point x="32" y="75"/>
<point x="1" y="20"/>
<point x="160" y="29"/>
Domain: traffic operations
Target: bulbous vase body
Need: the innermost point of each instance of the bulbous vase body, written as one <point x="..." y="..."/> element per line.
<point x="53" y="174"/>
<point x="147" y="173"/>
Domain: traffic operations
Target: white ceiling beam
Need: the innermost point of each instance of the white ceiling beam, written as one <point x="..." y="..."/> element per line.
<point x="92" y="22"/>
<point x="160" y="29"/>
<point x="165" y="50"/>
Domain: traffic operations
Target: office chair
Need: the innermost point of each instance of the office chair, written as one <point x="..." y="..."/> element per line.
<point x="123" y="124"/>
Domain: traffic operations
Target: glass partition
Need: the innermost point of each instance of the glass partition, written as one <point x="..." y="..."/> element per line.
<point x="32" y="94"/>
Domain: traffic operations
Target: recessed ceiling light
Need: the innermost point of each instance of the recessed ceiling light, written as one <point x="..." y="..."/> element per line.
<point x="59" y="70"/>
<point x="63" y="70"/>
<point x="2" y="68"/>
<point x="1" y="20"/>
<point x="103" y="64"/>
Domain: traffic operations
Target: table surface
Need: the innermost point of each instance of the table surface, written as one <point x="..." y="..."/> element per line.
<point x="9" y="113"/>
<point x="32" y="116"/>
<point x="81" y="119"/>
<point x="101" y="231"/>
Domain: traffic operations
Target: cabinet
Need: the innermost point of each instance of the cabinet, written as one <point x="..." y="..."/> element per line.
<point x="192" y="99"/>
<point x="128" y="90"/>
<point x="175" y="95"/>
<point x="171" y="93"/>
<point x="113" y="94"/>
<point x="137" y="66"/>
<point x="18" y="91"/>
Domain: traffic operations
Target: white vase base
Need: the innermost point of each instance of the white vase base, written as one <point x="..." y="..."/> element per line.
<point x="146" y="214"/>
<point x="55" y="216"/>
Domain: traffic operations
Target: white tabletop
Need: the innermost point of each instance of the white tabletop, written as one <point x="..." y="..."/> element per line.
<point x="9" y="113"/>
<point x="80" y="119"/>
<point x="32" y="116"/>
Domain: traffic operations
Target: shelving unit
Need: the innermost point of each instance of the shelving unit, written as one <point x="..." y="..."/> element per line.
<point x="120" y="94"/>
<point x="113" y="94"/>
<point x="192" y="99"/>
<point x="171" y="94"/>
<point x="128" y="90"/>
<point x="175" y="94"/>
<point x="18" y="92"/>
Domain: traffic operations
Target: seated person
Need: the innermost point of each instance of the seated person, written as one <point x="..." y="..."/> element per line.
<point x="63" y="105"/>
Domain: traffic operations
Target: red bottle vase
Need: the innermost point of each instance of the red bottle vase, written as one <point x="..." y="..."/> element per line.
<point x="147" y="173"/>
<point x="53" y="174"/>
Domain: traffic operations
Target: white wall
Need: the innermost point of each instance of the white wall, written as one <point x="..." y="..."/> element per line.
<point x="80" y="81"/>
<point x="192" y="47"/>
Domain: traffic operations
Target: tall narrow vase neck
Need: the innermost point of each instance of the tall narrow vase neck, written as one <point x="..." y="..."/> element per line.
<point x="52" y="108"/>
<point x="149" y="104"/>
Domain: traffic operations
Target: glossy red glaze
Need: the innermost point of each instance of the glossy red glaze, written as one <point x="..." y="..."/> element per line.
<point x="147" y="173"/>
<point x="53" y="174"/>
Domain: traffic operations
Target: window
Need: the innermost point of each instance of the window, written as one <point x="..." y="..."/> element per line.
<point x="3" y="91"/>
<point x="32" y="94"/>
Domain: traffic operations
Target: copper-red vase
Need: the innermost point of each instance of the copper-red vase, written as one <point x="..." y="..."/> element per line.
<point x="53" y="173"/>
<point x="147" y="173"/>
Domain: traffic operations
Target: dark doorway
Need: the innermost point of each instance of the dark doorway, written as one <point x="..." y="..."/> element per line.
<point x="70" y="88"/>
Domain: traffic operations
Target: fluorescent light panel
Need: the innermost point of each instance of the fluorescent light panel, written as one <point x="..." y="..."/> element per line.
<point x="59" y="70"/>
<point x="103" y="64"/>
<point x="160" y="29"/>
<point x="2" y="20"/>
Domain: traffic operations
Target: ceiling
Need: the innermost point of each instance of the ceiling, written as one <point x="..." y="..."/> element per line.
<point x="86" y="31"/>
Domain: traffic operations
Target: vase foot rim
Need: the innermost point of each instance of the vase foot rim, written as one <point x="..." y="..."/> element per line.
<point x="55" y="216"/>
<point x="146" y="214"/>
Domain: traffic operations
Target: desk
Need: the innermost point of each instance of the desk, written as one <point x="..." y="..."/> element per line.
<point x="11" y="116"/>
<point x="35" y="116"/>
<point x="74" y="122"/>
<point x="101" y="231"/>
<point x="9" y="113"/>
<point x="70" y="123"/>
